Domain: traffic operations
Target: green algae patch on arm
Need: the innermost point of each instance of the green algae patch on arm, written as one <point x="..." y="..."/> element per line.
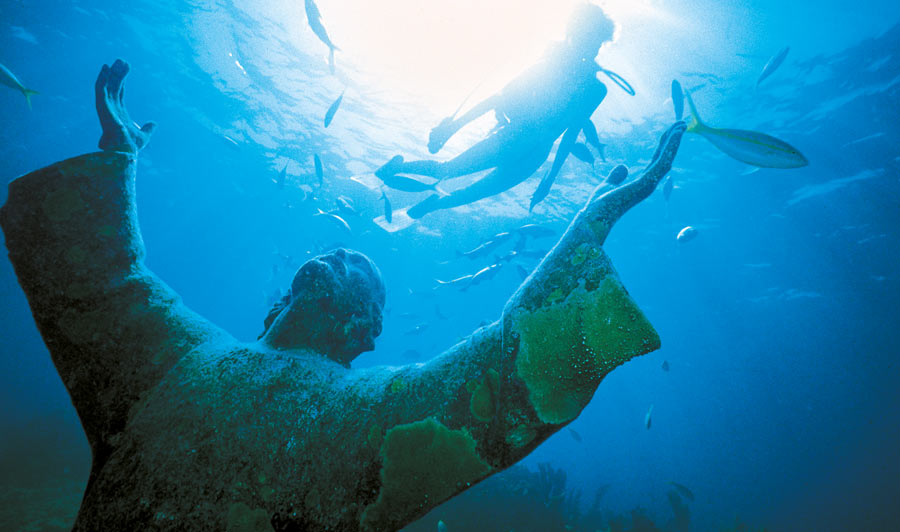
<point x="482" y="404"/>
<point x="424" y="464"/>
<point x="568" y="346"/>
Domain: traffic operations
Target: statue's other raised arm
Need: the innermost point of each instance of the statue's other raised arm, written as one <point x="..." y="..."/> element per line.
<point x="494" y="397"/>
<point x="112" y="327"/>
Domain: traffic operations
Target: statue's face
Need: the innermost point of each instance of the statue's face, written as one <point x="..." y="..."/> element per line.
<point x="343" y="297"/>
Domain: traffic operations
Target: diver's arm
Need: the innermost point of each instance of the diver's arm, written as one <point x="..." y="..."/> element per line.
<point x="112" y="327"/>
<point x="441" y="133"/>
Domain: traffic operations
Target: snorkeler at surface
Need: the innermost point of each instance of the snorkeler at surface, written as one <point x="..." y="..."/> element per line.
<point x="558" y="94"/>
<point x="191" y="429"/>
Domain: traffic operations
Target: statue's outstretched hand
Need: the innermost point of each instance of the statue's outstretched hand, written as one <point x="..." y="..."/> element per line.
<point x="120" y="133"/>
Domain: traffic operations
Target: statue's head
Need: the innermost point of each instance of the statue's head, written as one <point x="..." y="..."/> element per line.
<point x="334" y="307"/>
<point x="589" y="27"/>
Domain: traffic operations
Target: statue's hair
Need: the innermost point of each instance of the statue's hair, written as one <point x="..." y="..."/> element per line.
<point x="348" y="267"/>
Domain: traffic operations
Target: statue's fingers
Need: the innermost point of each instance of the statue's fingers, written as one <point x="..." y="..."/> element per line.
<point x="102" y="79"/>
<point x="117" y="73"/>
<point x="148" y="128"/>
<point x="101" y="98"/>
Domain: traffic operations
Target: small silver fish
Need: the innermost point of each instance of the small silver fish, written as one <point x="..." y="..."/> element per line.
<point x="534" y="231"/>
<point x="647" y="420"/>
<point x="233" y="144"/>
<point x="483" y="274"/>
<point x="320" y="172"/>
<point x="487" y="247"/>
<point x="773" y="64"/>
<point x="337" y="220"/>
<point x="665" y="365"/>
<point x="329" y="115"/>
<point x="686" y="235"/>
<point x="10" y="80"/>
<point x="462" y="279"/>
<point x="314" y="19"/>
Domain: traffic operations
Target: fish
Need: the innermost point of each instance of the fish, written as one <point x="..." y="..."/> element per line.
<point x="677" y="99"/>
<point x="534" y="231"/>
<point x="582" y="153"/>
<point x="388" y="211"/>
<point x="320" y="172"/>
<point x="686" y="235"/>
<point x="345" y="206"/>
<point x="233" y="144"/>
<point x="482" y="275"/>
<point x="456" y="281"/>
<point x="590" y="135"/>
<point x="575" y="435"/>
<point x="618" y="175"/>
<point x="418" y="329"/>
<point x="441" y="527"/>
<point x="10" y="80"/>
<point x="647" y="420"/>
<point x="329" y="114"/>
<point x="773" y="64"/>
<point x="683" y="490"/>
<point x="751" y="147"/>
<point x="486" y="247"/>
<point x="337" y="220"/>
<point x="281" y="176"/>
<point x="665" y="365"/>
<point x="667" y="187"/>
<point x="314" y="19"/>
<point x="408" y="184"/>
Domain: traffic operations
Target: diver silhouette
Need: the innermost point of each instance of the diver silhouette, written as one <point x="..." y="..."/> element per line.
<point x="557" y="95"/>
<point x="191" y="429"/>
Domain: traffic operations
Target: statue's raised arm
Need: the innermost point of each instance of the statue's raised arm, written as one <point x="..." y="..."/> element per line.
<point x="112" y="327"/>
<point x="494" y="397"/>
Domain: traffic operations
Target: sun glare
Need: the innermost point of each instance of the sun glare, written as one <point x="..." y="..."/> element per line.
<point x="442" y="50"/>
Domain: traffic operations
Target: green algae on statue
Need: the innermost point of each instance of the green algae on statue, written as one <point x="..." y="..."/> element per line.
<point x="193" y="430"/>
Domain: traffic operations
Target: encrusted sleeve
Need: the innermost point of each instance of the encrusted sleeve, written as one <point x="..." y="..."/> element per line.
<point x="112" y="327"/>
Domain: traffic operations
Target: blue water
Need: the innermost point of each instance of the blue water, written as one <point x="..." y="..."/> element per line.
<point x="779" y="321"/>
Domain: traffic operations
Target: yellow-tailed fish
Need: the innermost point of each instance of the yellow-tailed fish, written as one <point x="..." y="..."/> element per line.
<point x="10" y="80"/>
<point x="751" y="147"/>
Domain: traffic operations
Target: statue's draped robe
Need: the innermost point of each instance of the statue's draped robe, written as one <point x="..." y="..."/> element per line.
<point x="192" y="430"/>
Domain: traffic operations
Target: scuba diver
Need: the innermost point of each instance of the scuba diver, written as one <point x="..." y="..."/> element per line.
<point x="554" y="97"/>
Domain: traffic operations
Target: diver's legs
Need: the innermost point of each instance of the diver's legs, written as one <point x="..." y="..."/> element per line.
<point x="501" y="179"/>
<point x="483" y="155"/>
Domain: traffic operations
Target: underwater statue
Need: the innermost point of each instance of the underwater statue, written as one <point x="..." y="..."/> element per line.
<point x="191" y="429"/>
